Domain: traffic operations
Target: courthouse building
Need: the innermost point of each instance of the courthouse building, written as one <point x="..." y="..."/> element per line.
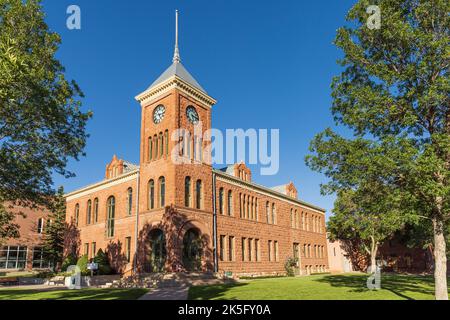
<point x="160" y="215"/>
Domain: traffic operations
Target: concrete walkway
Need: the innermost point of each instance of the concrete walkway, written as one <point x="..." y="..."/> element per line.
<point x="168" y="293"/>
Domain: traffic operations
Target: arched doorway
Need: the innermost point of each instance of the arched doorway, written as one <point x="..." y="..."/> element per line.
<point x="157" y="253"/>
<point x="192" y="250"/>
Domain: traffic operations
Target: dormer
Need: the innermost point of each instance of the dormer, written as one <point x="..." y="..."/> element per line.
<point x="118" y="167"/>
<point x="240" y="171"/>
<point x="114" y="168"/>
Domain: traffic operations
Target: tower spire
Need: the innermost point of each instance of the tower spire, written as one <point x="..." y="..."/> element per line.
<point x="176" y="54"/>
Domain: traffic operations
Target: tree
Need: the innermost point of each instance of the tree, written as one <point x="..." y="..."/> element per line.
<point x="8" y="227"/>
<point x="55" y="230"/>
<point x="364" y="215"/>
<point x="368" y="207"/>
<point x="41" y="124"/>
<point x="395" y="84"/>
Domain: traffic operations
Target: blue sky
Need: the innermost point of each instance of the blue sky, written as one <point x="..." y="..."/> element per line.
<point x="268" y="63"/>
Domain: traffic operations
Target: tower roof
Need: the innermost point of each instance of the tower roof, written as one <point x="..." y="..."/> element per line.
<point x="177" y="69"/>
<point x="176" y="76"/>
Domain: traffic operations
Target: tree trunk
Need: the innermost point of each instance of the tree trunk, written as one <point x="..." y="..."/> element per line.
<point x="373" y="256"/>
<point x="440" y="261"/>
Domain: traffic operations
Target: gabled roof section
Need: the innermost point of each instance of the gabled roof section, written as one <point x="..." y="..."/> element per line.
<point x="177" y="69"/>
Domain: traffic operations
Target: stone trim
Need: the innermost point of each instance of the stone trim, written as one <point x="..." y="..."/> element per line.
<point x="175" y="82"/>
<point x="132" y="175"/>
<point x="222" y="176"/>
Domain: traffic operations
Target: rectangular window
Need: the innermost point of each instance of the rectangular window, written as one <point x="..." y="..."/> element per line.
<point x="243" y="248"/>
<point x="40" y="225"/>
<point x="270" y="250"/>
<point x="231" y="248"/>
<point x="221" y="200"/>
<point x="275" y="250"/>
<point x="257" y="250"/>
<point x="222" y="248"/>
<point x="39" y="261"/>
<point x="86" y="249"/>
<point x="128" y="248"/>
<point x="296" y="251"/>
<point x="93" y="249"/>
<point x="250" y="249"/>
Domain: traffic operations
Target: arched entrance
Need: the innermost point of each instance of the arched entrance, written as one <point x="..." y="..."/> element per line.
<point x="157" y="253"/>
<point x="192" y="250"/>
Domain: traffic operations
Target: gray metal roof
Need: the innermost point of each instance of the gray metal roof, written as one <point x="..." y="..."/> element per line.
<point x="229" y="169"/>
<point x="281" y="189"/>
<point x="128" y="166"/>
<point x="177" y="69"/>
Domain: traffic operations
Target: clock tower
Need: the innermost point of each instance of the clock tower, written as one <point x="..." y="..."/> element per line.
<point x="175" y="172"/>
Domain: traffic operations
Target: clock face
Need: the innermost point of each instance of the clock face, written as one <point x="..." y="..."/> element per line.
<point x="158" y="114"/>
<point x="192" y="115"/>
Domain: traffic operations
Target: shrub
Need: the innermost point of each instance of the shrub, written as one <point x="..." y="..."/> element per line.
<point x="82" y="263"/>
<point x="103" y="263"/>
<point x="70" y="260"/>
<point x="289" y="266"/>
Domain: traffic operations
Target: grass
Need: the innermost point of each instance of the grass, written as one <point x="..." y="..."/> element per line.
<point x="320" y="287"/>
<point x="83" y="294"/>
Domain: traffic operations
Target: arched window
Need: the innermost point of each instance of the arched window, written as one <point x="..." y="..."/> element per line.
<point x="248" y="207"/>
<point x="187" y="191"/>
<point x="199" y="194"/>
<point x="77" y="214"/>
<point x="221" y="201"/>
<point x="268" y="212"/>
<point x="240" y="205"/>
<point x="274" y="214"/>
<point x="161" y="145"/>
<point x="89" y="212"/>
<point x="303" y="220"/>
<point x="256" y="209"/>
<point x="95" y="210"/>
<point x="40" y="225"/>
<point x="162" y="191"/>
<point x="111" y="205"/>
<point x="155" y="147"/>
<point x="292" y="219"/>
<point x="192" y="250"/>
<point x="151" y="194"/>
<point x="158" y="253"/>
<point x="129" y="201"/>
<point x="150" y="149"/>
<point x="166" y="143"/>
<point x="230" y="203"/>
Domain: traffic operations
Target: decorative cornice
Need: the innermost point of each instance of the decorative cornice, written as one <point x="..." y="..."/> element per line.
<point x="104" y="184"/>
<point x="222" y="176"/>
<point x="171" y="83"/>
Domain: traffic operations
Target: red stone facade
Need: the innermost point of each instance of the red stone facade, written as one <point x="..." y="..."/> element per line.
<point x="163" y="214"/>
<point x="25" y="253"/>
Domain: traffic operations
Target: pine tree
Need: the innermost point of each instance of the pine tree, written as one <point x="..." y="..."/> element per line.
<point x="55" y="230"/>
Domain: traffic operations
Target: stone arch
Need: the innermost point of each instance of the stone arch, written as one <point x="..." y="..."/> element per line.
<point x="194" y="242"/>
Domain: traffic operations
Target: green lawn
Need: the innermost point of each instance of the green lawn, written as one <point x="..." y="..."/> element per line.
<point x="84" y="294"/>
<point x="320" y="287"/>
